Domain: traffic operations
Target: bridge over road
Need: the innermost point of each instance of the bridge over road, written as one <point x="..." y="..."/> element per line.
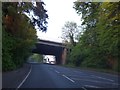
<point x="45" y="47"/>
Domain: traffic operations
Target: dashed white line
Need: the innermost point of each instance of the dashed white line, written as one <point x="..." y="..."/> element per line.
<point x="57" y="71"/>
<point x="95" y="81"/>
<point x="84" y="88"/>
<point x="91" y="86"/>
<point x="68" y="78"/>
<point x="25" y="78"/>
<point x="102" y="78"/>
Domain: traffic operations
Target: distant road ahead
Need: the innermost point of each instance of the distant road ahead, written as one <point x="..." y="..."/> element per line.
<point x="53" y="76"/>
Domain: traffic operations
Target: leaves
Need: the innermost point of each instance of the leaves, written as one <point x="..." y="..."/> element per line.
<point x="19" y="34"/>
<point x="69" y="32"/>
<point x="99" y="42"/>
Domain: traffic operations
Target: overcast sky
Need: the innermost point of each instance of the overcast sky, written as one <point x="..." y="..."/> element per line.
<point x="59" y="11"/>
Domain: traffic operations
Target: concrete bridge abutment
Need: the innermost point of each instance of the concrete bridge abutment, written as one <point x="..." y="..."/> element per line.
<point x="63" y="57"/>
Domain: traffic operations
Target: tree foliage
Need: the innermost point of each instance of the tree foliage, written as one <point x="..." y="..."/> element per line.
<point x="69" y="32"/>
<point x="37" y="57"/>
<point x="19" y="34"/>
<point x="98" y="45"/>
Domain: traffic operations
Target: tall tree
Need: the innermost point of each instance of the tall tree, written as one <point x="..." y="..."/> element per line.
<point x="109" y="32"/>
<point x="38" y="17"/>
<point x="19" y="34"/>
<point x="99" y="42"/>
<point x="69" y="32"/>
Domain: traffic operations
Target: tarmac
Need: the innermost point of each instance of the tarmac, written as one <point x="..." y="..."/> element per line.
<point x="12" y="79"/>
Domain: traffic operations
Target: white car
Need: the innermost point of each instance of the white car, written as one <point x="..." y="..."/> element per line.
<point x="52" y="62"/>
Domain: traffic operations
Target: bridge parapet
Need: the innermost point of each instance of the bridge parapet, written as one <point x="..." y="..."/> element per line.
<point x="52" y="43"/>
<point x="57" y="49"/>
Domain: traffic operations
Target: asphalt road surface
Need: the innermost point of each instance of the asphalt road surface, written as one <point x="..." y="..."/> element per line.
<point x="53" y="76"/>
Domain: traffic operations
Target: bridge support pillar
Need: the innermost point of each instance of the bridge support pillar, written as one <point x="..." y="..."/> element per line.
<point x="58" y="59"/>
<point x="63" y="59"/>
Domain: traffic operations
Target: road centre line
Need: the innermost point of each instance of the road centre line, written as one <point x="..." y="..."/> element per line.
<point x="25" y="78"/>
<point x="57" y="71"/>
<point x="91" y="86"/>
<point x="103" y="78"/>
<point x="84" y="88"/>
<point x="95" y="81"/>
<point x="68" y="78"/>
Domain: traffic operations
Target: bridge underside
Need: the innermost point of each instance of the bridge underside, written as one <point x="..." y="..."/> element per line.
<point x="49" y="50"/>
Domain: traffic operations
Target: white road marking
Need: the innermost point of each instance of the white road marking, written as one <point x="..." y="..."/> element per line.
<point x="25" y="78"/>
<point x="57" y="71"/>
<point x="103" y="78"/>
<point x="95" y="81"/>
<point x="91" y="86"/>
<point x="68" y="78"/>
<point x="84" y="88"/>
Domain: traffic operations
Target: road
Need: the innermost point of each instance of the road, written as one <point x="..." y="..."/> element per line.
<point x="53" y="76"/>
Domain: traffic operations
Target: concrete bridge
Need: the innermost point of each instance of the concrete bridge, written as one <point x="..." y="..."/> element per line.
<point x="45" y="47"/>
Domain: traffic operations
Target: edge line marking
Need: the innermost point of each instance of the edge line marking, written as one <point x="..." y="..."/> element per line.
<point x="25" y="78"/>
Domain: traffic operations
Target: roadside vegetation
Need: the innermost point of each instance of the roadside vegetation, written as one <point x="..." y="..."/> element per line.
<point x="37" y="57"/>
<point x="97" y="46"/>
<point x="18" y="31"/>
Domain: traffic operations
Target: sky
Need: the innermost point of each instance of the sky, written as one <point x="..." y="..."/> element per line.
<point x="59" y="11"/>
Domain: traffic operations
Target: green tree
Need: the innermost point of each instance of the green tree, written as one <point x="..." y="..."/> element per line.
<point x="89" y="40"/>
<point x="98" y="45"/>
<point x="37" y="57"/>
<point x="109" y="31"/>
<point x="69" y="32"/>
<point x="19" y="34"/>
